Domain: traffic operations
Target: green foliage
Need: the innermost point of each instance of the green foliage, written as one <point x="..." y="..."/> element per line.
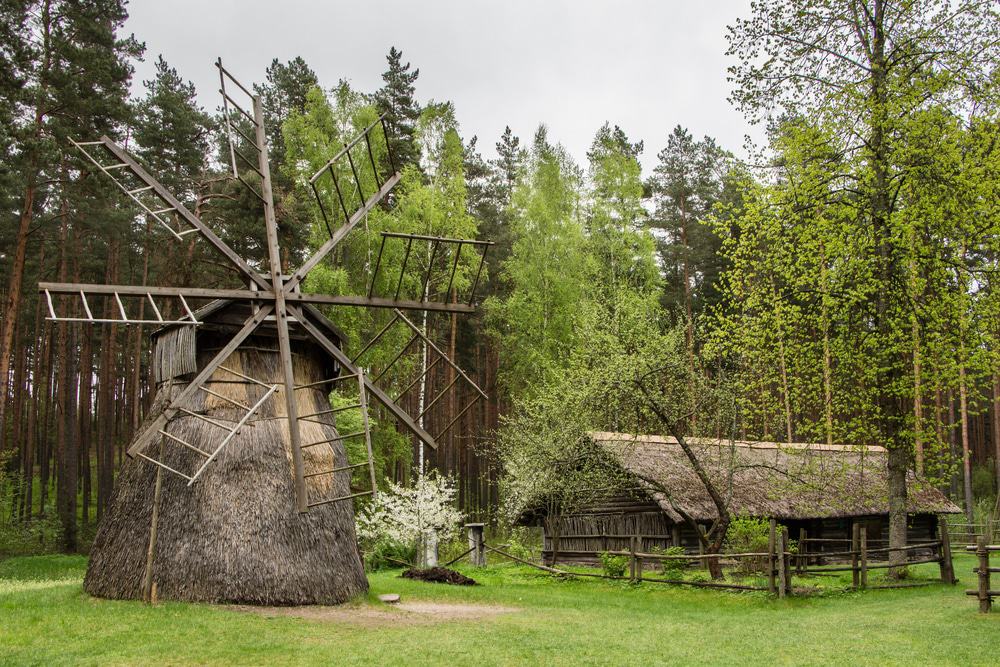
<point x="535" y="325"/>
<point x="673" y="568"/>
<point x="386" y="553"/>
<point x="613" y="566"/>
<point x="747" y="534"/>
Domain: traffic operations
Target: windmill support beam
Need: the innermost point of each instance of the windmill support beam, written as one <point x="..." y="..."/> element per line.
<point x="249" y="295"/>
<point x="375" y="391"/>
<point x="152" y="431"/>
<point x="188" y="216"/>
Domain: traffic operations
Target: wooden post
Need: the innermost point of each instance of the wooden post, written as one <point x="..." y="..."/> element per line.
<point x="477" y="544"/>
<point x="802" y="550"/>
<point x="638" y="560"/>
<point x="148" y="587"/>
<point x="675" y="535"/>
<point x="782" y="562"/>
<point x="864" y="556"/>
<point x="631" y="560"/>
<point x="855" y="550"/>
<point x="788" y="561"/>
<point x="770" y="556"/>
<point x="947" y="567"/>
<point x="985" y="601"/>
<point x="701" y="546"/>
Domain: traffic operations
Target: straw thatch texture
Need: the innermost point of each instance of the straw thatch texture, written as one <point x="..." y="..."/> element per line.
<point x="781" y="481"/>
<point x="235" y="535"/>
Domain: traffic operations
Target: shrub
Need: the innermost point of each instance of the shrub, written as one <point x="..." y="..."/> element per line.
<point x="386" y="554"/>
<point x="748" y="534"/>
<point x="614" y="566"/>
<point x="672" y="567"/>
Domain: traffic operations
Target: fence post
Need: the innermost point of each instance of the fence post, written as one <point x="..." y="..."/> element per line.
<point x="864" y="556"/>
<point x="770" y="555"/>
<point x="788" y="561"/>
<point x="631" y="558"/>
<point x="855" y="549"/>
<point x="947" y="566"/>
<point x="675" y="535"/>
<point x="782" y="562"/>
<point x="802" y="551"/>
<point x="478" y="553"/>
<point x="985" y="601"/>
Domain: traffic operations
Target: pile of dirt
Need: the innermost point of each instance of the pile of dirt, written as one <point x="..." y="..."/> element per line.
<point x="438" y="575"/>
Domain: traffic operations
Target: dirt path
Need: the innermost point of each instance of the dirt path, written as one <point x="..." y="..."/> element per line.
<point x="375" y="615"/>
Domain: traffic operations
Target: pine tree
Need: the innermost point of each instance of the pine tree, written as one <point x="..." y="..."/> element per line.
<point x="395" y="98"/>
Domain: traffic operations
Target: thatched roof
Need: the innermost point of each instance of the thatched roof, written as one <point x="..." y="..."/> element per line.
<point x="235" y="534"/>
<point x="782" y="481"/>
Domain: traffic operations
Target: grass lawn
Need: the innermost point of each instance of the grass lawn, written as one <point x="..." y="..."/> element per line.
<point x="47" y="619"/>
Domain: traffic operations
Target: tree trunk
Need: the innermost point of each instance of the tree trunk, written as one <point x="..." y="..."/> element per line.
<point x="963" y="406"/>
<point x="996" y="431"/>
<point x="67" y="458"/>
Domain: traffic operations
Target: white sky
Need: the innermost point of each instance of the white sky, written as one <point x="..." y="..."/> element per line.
<point x="646" y="66"/>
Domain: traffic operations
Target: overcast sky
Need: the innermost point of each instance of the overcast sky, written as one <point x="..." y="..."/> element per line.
<point x="572" y="65"/>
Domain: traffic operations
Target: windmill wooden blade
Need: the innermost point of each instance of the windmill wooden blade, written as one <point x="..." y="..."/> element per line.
<point x="355" y="213"/>
<point x="116" y="295"/>
<point x="345" y="361"/>
<point x="232" y="109"/>
<point x="427" y="405"/>
<point x="150" y="187"/>
<point x="155" y="424"/>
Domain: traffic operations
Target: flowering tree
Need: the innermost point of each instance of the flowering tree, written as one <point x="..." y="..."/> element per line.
<point x="421" y="514"/>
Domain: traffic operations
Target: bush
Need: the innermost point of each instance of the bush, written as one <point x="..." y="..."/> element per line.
<point x="748" y="534"/>
<point x="672" y="567"/>
<point x="614" y="566"/>
<point x="385" y="554"/>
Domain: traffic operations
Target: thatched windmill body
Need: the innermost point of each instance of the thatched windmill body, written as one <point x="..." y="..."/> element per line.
<point x="239" y="486"/>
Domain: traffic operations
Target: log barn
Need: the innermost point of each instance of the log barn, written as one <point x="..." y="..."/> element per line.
<point x="817" y="491"/>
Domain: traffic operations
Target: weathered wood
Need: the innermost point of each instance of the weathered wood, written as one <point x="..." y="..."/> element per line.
<point x="985" y="594"/>
<point x="864" y="555"/>
<point x="782" y="547"/>
<point x="802" y="550"/>
<point x="477" y="543"/>
<point x="147" y="583"/>
<point x="855" y="551"/>
<point x="788" y="560"/>
<point x="771" y="544"/>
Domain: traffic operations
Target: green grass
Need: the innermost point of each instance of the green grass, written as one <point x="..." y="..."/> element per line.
<point x="47" y="619"/>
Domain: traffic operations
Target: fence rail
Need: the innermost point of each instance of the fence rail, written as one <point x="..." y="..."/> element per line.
<point x="778" y="561"/>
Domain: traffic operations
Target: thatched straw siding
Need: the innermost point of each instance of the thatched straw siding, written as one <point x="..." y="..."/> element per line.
<point x="235" y="535"/>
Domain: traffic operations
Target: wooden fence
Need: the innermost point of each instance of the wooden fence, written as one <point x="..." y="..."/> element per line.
<point x="967" y="534"/>
<point x="983" y="592"/>
<point x="778" y="562"/>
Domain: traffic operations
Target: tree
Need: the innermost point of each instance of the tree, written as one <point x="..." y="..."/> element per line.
<point x="863" y="69"/>
<point x="619" y="241"/>
<point x="687" y="184"/>
<point x="545" y="274"/>
<point x="395" y="98"/>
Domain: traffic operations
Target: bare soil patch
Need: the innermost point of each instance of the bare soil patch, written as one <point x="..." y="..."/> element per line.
<point x="438" y="575"/>
<point x="402" y="613"/>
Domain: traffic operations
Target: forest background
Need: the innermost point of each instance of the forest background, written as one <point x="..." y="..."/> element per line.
<point x="842" y="277"/>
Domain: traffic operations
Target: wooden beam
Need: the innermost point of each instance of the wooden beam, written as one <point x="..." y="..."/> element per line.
<point x="188" y="216"/>
<point x="250" y="295"/>
<point x="151" y="432"/>
<point x="375" y="391"/>
<point x="280" y="309"/>
<point x="341" y="232"/>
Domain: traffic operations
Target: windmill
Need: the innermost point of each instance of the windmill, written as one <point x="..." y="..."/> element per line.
<point x="240" y="488"/>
